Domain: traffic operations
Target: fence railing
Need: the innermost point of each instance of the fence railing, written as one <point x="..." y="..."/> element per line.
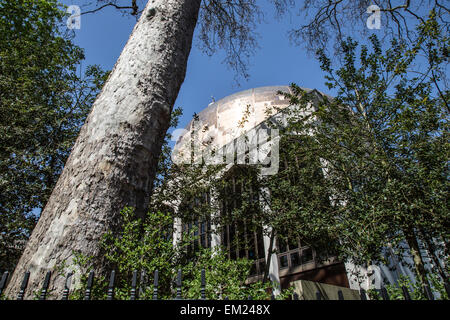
<point x="134" y="294"/>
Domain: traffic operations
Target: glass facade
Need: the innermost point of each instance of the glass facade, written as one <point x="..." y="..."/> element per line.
<point x="201" y="228"/>
<point x="240" y="235"/>
<point x="238" y="232"/>
<point x="292" y="254"/>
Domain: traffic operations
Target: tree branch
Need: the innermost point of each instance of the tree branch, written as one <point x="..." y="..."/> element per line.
<point x="133" y="7"/>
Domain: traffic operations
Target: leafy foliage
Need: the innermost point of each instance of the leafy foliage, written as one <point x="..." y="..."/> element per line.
<point x="147" y="246"/>
<point x="395" y="291"/>
<point x="359" y="172"/>
<point x="225" y="278"/>
<point x="383" y="147"/>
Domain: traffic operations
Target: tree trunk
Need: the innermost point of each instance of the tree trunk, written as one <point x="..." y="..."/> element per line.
<point x="112" y="164"/>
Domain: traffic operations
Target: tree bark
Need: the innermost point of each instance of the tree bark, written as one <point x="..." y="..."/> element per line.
<point x="112" y="164"/>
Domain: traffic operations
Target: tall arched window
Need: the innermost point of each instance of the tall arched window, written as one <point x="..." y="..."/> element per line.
<point x="241" y="232"/>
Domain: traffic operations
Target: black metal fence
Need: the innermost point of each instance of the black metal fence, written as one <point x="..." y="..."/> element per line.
<point x="134" y="294"/>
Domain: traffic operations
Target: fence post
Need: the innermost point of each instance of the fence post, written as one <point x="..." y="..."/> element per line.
<point x="5" y="277"/>
<point x="133" y="286"/>
<point x="155" y="285"/>
<point x="111" y="285"/>
<point x="45" y="286"/>
<point x="65" y="295"/>
<point x="318" y="295"/>
<point x="384" y="293"/>
<point x="23" y="286"/>
<point x="406" y="293"/>
<point x="90" y="282"/>
<point x="178" y="285"/>
<point x="362" y="294"/>
<point x="340" y="295"/>
<point x="203" y="290"/>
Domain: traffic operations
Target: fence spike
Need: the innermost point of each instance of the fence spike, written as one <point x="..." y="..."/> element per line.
<point x="272" y="296"/>
<point x="318" y="295"/>
<point x="178" y="285"/>
<point x="45" y="286"/>
<point x="3" y="282"/>
<point x="295" y="296"/>
<point x="133" y="286"/>
<point x="112" y="278"/>
<point x="362" y="294"/>
<point x="406" y="293"/>
<point x="155" y="285"/>
<point x="250" y="297"/>
<point x="384" y="293"/>
<point x="66" y="291"/>
<point x="203" y="290"/>
<point x="340" y="295"/>
<point x="90" y="283"/>
<point x="23" y="286"/>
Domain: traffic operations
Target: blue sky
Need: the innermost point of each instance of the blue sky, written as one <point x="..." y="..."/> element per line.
<point x="104" y="34"/>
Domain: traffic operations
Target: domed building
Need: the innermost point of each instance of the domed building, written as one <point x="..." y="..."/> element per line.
<point x="239" y="130"/>
<point x="230" y="118"/>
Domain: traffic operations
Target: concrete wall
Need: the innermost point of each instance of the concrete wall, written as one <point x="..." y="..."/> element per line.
<point x="306" y="290"/>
